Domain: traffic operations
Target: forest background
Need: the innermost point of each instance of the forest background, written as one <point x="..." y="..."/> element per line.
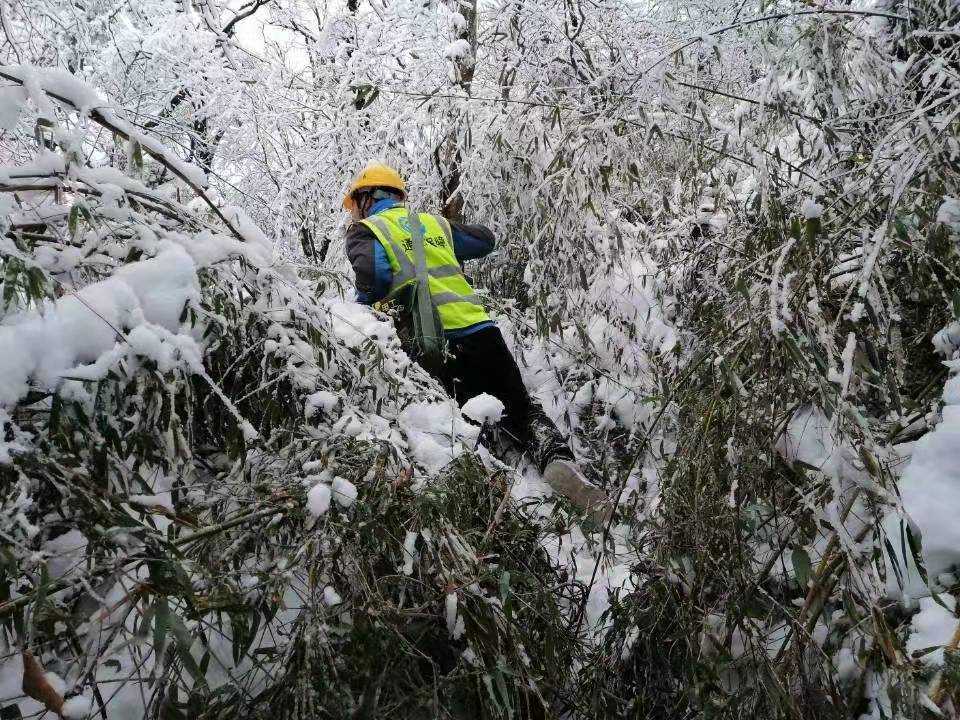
<point x="726" y="262"/>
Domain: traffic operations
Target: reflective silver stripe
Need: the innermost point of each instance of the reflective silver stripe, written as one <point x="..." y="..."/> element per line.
<point x="407" y="271"/>
<point x="380" y="224"/>
<point x="444" y="271"/>
<point x="405" y="263"/>
<point x="443" y="298"/>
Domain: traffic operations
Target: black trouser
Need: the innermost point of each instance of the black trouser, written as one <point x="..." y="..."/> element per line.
<point x="482" y="363"/>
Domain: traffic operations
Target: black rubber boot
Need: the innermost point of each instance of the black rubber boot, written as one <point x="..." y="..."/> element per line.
<point x="543" y="441"/>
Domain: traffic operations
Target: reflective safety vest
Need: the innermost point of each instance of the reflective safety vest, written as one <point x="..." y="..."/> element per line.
<point x="450" y="292"/>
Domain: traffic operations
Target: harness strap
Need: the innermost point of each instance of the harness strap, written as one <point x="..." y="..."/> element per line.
<point x="429" y="330"/>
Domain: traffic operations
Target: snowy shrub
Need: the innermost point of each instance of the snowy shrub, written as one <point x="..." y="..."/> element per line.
<point x="727" y="252"/>
<point x="166" y="546"/>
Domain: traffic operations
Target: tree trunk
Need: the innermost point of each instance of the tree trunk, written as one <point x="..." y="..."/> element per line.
<point x="450" y="153"/>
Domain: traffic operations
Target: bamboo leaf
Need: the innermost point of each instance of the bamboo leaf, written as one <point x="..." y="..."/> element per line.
<point x="183" y="641"/>
<point x="161" y="623"/>
<point x="801" y="566"/>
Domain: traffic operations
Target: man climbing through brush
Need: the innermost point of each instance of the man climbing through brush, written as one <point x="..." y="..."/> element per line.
<point x="416" y="259"/>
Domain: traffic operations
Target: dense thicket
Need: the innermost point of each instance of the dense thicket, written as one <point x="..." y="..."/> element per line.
<point x="727" y="261"/>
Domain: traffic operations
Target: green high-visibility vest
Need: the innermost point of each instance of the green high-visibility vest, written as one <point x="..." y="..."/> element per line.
<point x="456" y="303"/>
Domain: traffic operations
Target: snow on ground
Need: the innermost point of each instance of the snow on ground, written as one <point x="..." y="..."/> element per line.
<point x="932" y="628"/>
<point x="930" y="492"/>
<point x="605" y="572"/>
<point x="65" y="553"/>
<point x="11" y="677"/>
<point x="572" y="549"/>
<point x="437" y="433"/>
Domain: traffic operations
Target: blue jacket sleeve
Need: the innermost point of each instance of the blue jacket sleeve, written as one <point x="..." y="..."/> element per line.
<point x="370" y="264"/>
<point x="471" y="241"/>
<point x="382" y="277"/>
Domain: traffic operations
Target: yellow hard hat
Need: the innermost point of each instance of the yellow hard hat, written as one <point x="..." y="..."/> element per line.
<point x="375" y="175"/>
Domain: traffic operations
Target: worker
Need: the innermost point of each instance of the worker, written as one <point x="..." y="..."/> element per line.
<point x="477" y="359"/>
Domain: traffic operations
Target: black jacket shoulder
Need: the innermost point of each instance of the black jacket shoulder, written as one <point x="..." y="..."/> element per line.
<point x="359" y="246"/>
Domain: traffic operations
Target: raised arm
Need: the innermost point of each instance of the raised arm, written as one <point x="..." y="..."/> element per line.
<point x="471" y="241"/>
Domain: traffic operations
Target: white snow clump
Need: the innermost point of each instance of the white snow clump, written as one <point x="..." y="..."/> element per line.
<point x="811" y="209"/>
<point x="331" y="597"/>
<point x="457" y="49"/>
<point x="930" y="490"/>
<point x="484" y="408"/>
<point x="949" y="213"/>
<point x="344" y="492"/>
<point x="40" y="348"/>
<point x="318" y="499"/>
<point x="932" y="627"/>
<point x="77" y="707"/>
<point x="322" y="401"/>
